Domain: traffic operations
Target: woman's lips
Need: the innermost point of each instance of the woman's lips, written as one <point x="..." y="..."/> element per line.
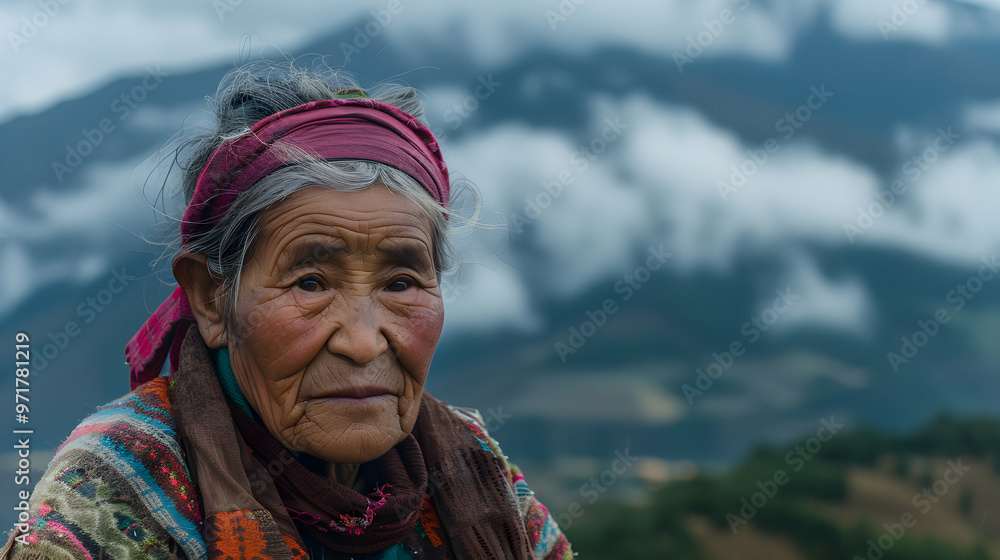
<point x="379" y="401"/>
<point x="363" y="392"/>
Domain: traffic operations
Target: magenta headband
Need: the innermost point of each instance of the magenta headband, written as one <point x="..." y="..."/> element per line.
<point x="356" y="128"/>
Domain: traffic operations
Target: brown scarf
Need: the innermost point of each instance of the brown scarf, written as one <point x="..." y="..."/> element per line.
<point x="442" y="459"/>
<point x="340" y="518"/>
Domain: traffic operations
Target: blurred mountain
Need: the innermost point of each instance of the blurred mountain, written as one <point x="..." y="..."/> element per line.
<point x="623" y="388"/>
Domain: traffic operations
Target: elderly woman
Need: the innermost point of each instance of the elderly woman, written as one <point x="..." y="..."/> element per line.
<point x="293" y="422"/>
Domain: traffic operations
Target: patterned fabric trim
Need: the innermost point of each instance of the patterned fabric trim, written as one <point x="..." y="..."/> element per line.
<point x="429" y="525"/>
<point x="546" y="538"/>
<point x="247" y="535"/>
<point x="298" y="553"/>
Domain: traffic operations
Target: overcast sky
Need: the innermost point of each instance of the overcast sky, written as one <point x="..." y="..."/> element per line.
<point x="85" y="44"/>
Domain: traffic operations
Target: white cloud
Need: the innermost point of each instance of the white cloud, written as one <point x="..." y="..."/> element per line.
<point x="660" y="176"/>
<point x="840" y="304"/>
<point x="982" y="117"/>
<point x="659" y="180"/>
<point x="17" y="273"/>
<point x="949" y="212"/>
<point x="989" y="4"/>
<point x="87" y="44"/>
<point x="90" y="43"/>
<point x="105" y="203"/>
<point x="102" y="211"/>
<point x="804" y="193"/>
<point x="23" y="273"/>
<point x="591" y="230"/>
<point x="586" y="230"/>
<point x="498" y="32"/>
<point x="678" y="157"/>
<point x="894" y="20"/>
<point x="482" y="296"/>
<point x="152" y="119"/>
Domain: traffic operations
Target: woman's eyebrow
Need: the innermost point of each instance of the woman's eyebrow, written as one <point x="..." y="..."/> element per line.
<point x="410" y="254"/>
<point x="312" y="252"/>
<point x="406" y="253"/>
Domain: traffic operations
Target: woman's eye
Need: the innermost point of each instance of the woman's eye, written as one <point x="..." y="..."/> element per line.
<point x="400" y="284"/>
<point x="309" y="284"/>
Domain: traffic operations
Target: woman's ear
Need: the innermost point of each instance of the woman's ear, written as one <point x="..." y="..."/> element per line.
<point x="203" y="290"/>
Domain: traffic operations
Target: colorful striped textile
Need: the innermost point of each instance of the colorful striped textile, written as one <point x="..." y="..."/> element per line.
<point x="116" y="488"/>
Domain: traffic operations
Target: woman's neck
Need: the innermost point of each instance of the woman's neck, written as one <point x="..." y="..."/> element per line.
<point x="345" y="473"/>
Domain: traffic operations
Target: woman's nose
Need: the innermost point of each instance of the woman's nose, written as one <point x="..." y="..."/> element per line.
<point x="358" y="333"/>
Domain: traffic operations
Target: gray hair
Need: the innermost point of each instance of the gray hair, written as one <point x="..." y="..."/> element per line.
<point x="253" y="92"/>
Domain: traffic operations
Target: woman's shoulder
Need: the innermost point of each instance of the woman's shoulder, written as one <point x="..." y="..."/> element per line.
<point x="546" y="538"/>
<point x="117" y="486"/>
<point x="145" y="409"/>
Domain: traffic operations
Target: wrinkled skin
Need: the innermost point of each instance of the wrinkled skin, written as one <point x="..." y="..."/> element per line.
<point x="325" y="309"/>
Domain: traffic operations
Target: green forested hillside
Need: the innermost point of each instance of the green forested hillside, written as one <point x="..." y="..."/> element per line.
<point x="858" y="495"/>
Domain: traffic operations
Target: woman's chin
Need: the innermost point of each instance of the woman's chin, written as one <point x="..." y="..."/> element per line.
<point x="358" y="433"/>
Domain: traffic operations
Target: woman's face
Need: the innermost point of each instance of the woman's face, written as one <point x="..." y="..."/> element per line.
<point x="339" y="312"/>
